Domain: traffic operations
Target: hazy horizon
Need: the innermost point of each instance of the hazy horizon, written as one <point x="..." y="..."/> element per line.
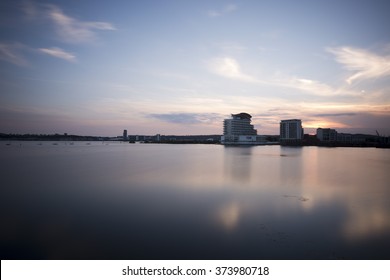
<point x="181" y="67"/>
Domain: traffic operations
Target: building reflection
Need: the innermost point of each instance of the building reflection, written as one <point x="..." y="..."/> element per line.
<point x="290" y="169"/>
<point x="238" y="165"/>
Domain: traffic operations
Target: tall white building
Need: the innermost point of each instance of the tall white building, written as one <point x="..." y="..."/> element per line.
<point x="291" y="130"/>
<point x="239" y="130"/>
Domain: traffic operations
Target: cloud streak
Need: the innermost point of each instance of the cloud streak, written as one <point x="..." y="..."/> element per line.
<point x="335" y="114"/>
<point x="229" y="68"/>
<point x="72" y="30"/>
<point x="188" y="118"/>
<point x="310" y="86"/>
<point x="315" y="88"/>
<point x="68" y="29"/>
<point x="59" y="53"/>
<point x="364" y="64"/>
<point x="12" y="53"/>
<point x="226" y="10"/>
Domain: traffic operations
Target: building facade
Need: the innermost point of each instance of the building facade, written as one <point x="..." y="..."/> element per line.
<point x="239" y="130"/>
<point x="291" y="131"/>
<point x="326" y="134"/>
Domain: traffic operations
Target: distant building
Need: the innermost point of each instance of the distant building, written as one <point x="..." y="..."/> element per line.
<point x="358" y="139"/>
<point x="344" y="137"/>
<point x="291" y="130"/>
<point x="125" y="134"/>
<point x="238" y="130"/>
<point x="326" y="134"/>
<point x="239" y="124"/>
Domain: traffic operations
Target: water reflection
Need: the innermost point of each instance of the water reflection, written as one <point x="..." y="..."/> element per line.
<point x="193" y="202"/>
<point x="291" y="168"/>
<point x="367" y="222"/>
<point x="228" y="215"/>
<point x="237" y="164"/>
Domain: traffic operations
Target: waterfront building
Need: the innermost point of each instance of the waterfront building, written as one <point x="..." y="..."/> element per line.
<point x="326" y="134"/>
<point x="358" y="139"/>
<point x="291" y="131"/>
<point x="238" y="130"/>
<point x="125" y="134"/>
<point x="239" y="124"/>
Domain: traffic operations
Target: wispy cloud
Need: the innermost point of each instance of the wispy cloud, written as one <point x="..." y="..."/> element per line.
<point x="13" y="53"/>
<point x="30" y="9"/>
<point x="229" y="68"/>
<point x="335" y="114"/>
<point x="68" y="29"/>
<point x="188" y="118"/>
<point x="72" y="30"/>
<point x="59" y="53"/>
<point x="364" y="64"/>
<point x="225" y="10"/>
<point x="311" y="86"/>
<point x="230" y="8"/>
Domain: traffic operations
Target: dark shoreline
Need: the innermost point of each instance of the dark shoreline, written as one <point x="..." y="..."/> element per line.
<point x="369" y="141"/>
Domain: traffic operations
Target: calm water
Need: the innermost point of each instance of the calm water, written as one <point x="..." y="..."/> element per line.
<point x="145" y="201"/>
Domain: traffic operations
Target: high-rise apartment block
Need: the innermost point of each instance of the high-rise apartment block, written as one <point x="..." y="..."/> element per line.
<point x="291" y="130"/>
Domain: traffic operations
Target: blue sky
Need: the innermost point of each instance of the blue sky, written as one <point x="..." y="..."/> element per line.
<point x="181" y="67"/>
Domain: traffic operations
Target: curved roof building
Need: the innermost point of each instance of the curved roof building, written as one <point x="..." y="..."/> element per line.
<point x="237" y="128"/>
<point x="241" y="116"/>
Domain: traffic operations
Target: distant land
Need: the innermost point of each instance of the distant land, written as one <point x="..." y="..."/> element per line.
<point x="51" y="137"/>
<point x="209" y="139"/>
<point x="357" y="140"/>
<point x="168" y="139"/>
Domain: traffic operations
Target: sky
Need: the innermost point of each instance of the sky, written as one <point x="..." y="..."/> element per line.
<point x="181" y="67"/>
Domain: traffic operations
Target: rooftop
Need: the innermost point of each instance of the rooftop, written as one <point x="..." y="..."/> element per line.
<point x="242" y="116"/>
